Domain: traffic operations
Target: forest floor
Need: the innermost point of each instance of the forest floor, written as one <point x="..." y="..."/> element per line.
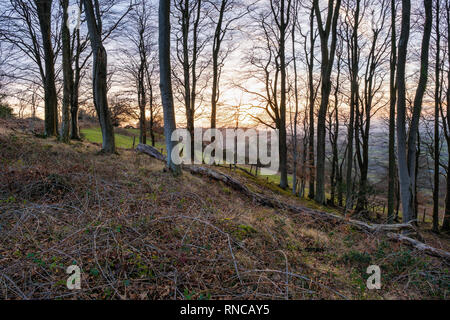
<point x="137" y="232"/>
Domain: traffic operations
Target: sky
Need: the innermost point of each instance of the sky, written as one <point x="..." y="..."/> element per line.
<point x="236" y="70"/>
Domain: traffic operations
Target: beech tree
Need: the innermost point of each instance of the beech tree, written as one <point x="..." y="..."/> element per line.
<point x="138" y="56"/>
<point x="191" y="40"/>
<point x="226" y="13"/>
<point x="406" y="144"/>
<point x="352" y="22"/>
<point x="328" y="53"/>
<point x="166" y="82"/>
<point x="99" y="85"/>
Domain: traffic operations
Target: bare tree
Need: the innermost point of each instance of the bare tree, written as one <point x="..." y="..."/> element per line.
<point x="352" y="23"/>
<point x="309" y="42"/>
<point x="371" y="97"/>
<point x="225" y="18"/>
<point x="326" y="67"/>
<point x="80" y="53"/>
<point x="191" y="42"/>
<point x="139" y="32"/>
<point x="282" y="12"/>
<point x="100" y="74"/>
<point x="44" y="11"/>
<point x="407" y="148"/>
<point x="333" y="133"/>
<point x="269" y="61"/>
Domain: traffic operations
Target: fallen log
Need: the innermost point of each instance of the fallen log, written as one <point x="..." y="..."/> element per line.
<point x="419" y="245"/>
<point x="274" y="203"/>
<point x="151" y="151"/>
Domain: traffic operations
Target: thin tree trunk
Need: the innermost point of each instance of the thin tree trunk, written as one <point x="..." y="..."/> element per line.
<point x="295" y="142"/>
<point x="354" y="98"/>
<point x="311" y="160"/>
<point x="142" y="101"/>
<point x="282" y="128"/>
<point x="392" y="102"/>
<point x="446" y="222"/>
<point x="436" y="124"/>
<point x="74" y="101"/>
<point x="334" y="136"/>
<point x="217" y="41"/>
<point x="67" y="74"/>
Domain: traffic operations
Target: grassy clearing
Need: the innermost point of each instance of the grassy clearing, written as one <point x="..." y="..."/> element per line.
<point x="126" y="142"/>
<point x="122" y="141"/>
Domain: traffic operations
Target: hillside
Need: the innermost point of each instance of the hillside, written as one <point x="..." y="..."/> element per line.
<point x="139" y="233"/>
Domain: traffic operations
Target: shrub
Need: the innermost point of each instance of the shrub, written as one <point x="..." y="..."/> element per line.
<point x="6" y="111"/>
<point x="356" y="257"/>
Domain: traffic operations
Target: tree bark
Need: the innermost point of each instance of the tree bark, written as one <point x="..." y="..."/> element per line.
<point x="67" y="74"/>
<point x="311" y="159"/>
<point x="142" y="101"/>
<point x="354" y="100"/>
<point x="446" y="222"/>
<point x="74" y="103"/>
<point x="166" y="82"/>
<point x="436" y="124"/>
<point x="44" y="10"/>
<point x="392" y="102"/>
<point x="100" y="75"/>
<point x="295" y="139"/>
<point x="284" y="21"/>
<point x="407" y="150"/>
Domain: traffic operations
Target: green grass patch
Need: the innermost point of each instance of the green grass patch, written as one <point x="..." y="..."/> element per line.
<point x="122" y="141"/>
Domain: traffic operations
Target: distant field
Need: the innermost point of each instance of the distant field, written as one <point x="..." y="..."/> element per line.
<point x="122" y="141"/>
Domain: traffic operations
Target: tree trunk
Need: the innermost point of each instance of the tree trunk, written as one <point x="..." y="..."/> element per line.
<point x="407" y="151"/>
<point x="311" y="162"/>
<point x="282" y="129"/>
<point x="334" y="135"/>
<point x="295" y="139"/>
<point x="436" y="125"/>
<point x="392" y="102"/>
<point x="166" y="82"/>
<point x="404" y="178"/>
<point x="67" y="74"/>
<point x="326" y="68"/>
<point x="44" y="10"/>
<point x="354" y="98"/>
<point x="217" y="41"/>
<point x="74" y="103"/>
<point x="100" y="76"/>
<point x="142" y="101"/>
<point x="446" y="223"/>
